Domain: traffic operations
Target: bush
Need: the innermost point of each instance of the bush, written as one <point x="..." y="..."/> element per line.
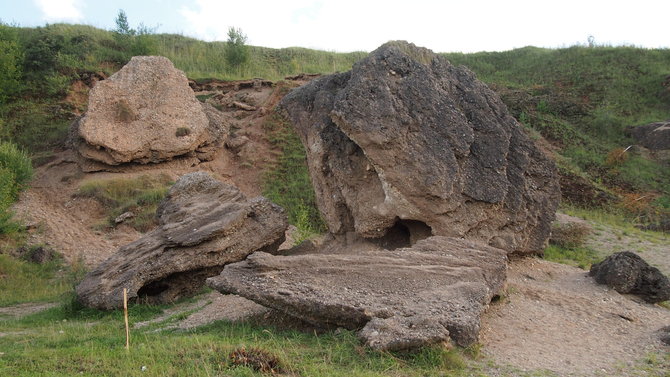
<point x="10" y="63"/>
<point x="568" y="231"/>
<point x="15" y="173"/>
<point x="18" y="162"/>
<point x="6" y="199"/>
<point x="237" y="53"/>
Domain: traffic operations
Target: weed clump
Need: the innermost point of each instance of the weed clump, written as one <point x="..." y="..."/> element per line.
<point x="182" y="131"/>
<point x="570" y="233"/>
<point x="256" y="359"/>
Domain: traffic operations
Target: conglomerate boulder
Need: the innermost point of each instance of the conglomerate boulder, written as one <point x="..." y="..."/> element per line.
<point x="146" y="112"/>
<point x="398" y="299"/>
<point x="627" y="272"/>
<point x="406" y="137"/>
<point x="204" y="224"/>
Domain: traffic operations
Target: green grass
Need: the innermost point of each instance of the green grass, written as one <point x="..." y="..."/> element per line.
<point x="22" y="281"/>
<point x="70" y="340"/>
<point x="139" y="195"/>
<point x="287" y="183"/>
<point x="582" y="99"/>
<point x="582" y="257"/>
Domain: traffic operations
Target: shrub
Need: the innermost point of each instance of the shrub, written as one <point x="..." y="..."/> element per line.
<point x="7" y="194"/>
<point x="18" y="162"/>
<point x="237" y="53"/>
<point x="569" y="232"/>
<point x="10" y="63"/>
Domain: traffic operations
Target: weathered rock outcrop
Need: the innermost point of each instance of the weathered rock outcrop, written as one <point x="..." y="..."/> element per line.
<point x="627" y="272"/>
<point x="399" y="299"/>
<point x="203" y="225"/>
<point x="407" y="137"/>
<point x="146" y="112"/>
<point x="654" y="136"/>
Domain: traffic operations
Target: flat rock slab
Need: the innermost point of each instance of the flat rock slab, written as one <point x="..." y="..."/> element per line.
<point x="203" y="225"/>
<point x="399" y="299"/>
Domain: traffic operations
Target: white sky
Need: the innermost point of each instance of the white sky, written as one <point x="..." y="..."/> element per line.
<point x="348" y="25"/>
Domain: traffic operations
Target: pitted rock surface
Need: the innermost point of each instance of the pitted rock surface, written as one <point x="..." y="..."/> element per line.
<point x="399" y="299"/>
<point x="653" y="136"/>
<point x="627" y="272"/>
<point x="407" y="136"/>
<point x="204" y="224"/>
<point x="146" y="112"/>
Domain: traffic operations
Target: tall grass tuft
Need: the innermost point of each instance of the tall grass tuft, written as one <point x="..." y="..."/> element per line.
<point x="140" y="196"/>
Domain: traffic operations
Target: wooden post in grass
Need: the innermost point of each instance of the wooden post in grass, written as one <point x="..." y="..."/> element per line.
<point x="125" y="316"/>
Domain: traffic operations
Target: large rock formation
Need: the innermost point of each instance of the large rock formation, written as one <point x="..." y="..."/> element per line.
<point x="203" y="225"/>
<point x="406" y="140"/>
<point x="627" y="272"/>
<point x="146" y="112"/>
<point x="400" y="299"/>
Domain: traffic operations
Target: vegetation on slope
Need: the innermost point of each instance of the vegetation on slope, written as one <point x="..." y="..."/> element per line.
<point x="582" y="99"/>
<point x="137" y="196"/>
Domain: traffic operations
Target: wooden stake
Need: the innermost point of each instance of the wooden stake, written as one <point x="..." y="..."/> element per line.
<point x="125" y="315"/>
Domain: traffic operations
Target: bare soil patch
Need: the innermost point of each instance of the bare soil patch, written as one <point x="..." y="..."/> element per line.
<point x="555" y="317"/>
<point x="22" y="310"/>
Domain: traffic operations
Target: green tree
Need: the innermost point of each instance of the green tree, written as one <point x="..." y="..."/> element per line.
<point x="237" y="52"/>
<point x="122" y="26"/>
<point x="134" y="42"/>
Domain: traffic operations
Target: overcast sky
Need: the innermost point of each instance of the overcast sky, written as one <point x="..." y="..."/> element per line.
<point x="348" y="25"/>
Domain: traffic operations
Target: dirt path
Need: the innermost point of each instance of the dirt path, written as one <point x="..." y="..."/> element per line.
<point x="22" y="310"/>
<point x="556" y="318"/>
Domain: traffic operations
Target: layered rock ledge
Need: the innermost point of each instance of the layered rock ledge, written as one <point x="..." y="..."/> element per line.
<point x="204" y="224"/>
<point x="398" y="299"/>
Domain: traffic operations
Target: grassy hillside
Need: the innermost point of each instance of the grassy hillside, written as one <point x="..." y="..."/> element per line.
<point x="581" y="99"/>
<point x="46" y="60"/>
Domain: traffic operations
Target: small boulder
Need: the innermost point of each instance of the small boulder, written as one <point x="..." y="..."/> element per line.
<point x="124" y="216"/>
<point x="627" y="272"/>
<point x="653" y="136"/>
<point x="146" y="112"/>
<point x="664" y="334"/>
<point x="398" y="299"/>
<point x="204" y="224"/>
